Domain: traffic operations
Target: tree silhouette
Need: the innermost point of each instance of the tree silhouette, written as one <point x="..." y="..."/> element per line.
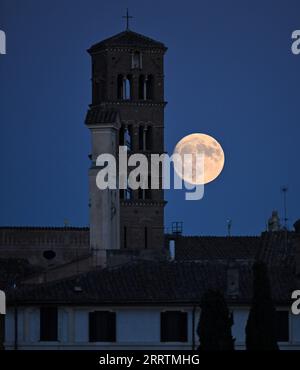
<point x="261" y="324"/>
<point x="214" y="328"/>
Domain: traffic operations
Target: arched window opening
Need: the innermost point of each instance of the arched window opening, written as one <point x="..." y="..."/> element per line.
<point x="149" y="87"/>
<point x="128" y="137"/>
<point x="125" y="136"/>
<point x="143" y="80"/>
<point x="141" y="87"/>
<point x="127" y="88"/>
<point x="145" y="137"/>
<point x="146" y="87"/>
<point x="136" y="60"/>
<point x="124" y="87"/>
<point x="128" y="194"/>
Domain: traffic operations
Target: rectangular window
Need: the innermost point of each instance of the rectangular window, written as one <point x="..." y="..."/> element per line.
<point x="102" y="326"/>
<point x="282" y="326"/>
<point x="48" y="324"/>
<point x="173" y="326"/>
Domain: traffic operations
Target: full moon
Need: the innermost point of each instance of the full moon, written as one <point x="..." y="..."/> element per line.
<point x="213" y="157"/>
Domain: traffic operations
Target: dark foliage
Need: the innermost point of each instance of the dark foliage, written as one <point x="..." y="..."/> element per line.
<point x="261" y="324"/>
<point x="214" y="329"/>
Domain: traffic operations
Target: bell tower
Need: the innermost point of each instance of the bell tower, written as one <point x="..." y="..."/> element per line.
<point x="128" y="78"/>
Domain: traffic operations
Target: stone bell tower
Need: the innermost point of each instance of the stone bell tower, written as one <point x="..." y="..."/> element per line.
<point x="128" y="78"/>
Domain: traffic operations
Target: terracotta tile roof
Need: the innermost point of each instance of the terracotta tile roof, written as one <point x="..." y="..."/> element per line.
<point x="97" y="115"/>
<point x="192" y="248"/>
<point x="41" y="236"/>
<point x="40" y="228"/>
<point x="13" y="270"/>
<point x="278" y="248"/>
<point x="201" y="263"/>
<point x="152" y="282"/>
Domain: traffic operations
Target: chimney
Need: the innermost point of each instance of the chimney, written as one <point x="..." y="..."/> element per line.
<point x="172" y="250"/>
<point x="2" y="303"/>
<point x="233" y="284"/>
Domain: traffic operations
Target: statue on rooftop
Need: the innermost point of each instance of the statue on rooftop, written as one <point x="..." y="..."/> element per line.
<point x="274" y="222"/>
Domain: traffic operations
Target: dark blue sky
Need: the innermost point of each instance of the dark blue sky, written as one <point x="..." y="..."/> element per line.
<point x="229" y="73"/>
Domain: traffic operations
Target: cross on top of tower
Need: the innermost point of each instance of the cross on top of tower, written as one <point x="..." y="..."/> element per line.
<point x="127" y="16"/>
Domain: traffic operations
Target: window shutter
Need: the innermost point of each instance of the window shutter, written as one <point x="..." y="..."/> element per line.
<point x="183" y="327"/>
<point x="111" y="327"/>
<point x="173" y="326"/>
<point x="102" y="326"/>
<point x="282" y="326"/>
<point x="48" y="323"/>
<point x="163" y="326"/>
<point x="92" y="327"/>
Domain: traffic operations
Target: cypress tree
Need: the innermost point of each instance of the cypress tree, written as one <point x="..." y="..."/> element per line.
<point x="214" y="328"/>
<point x="261" y="324"/>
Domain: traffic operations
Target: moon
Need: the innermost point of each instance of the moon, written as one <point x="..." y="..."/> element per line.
<point x="213" y="158"/>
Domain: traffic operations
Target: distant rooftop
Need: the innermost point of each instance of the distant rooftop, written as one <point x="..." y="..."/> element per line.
<point x="190" y="248"/>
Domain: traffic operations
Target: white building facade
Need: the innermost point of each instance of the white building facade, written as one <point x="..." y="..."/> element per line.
<point x="132" y="328"/>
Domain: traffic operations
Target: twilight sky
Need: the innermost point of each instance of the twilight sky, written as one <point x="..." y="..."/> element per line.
<point x="229" y="73"/>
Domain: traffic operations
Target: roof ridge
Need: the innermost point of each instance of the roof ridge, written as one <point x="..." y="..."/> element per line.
<point x="45" y="227"/>
<point x="143" y="36"/>
<point x="128" y="33"/>
<point x="221" y="236"/>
